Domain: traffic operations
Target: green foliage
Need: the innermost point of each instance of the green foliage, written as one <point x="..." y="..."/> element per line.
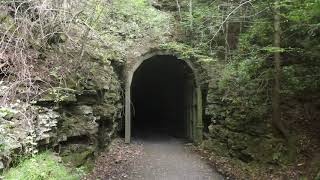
<point x="123" y="24"/>
<point x="257" y="36"/>
<point x="7" y="113"/>
<point x="299" y="39"/>
<point x="301" y="11"/>
<point x="318" y="176"/>
<point x="199" y="28"/>
<point x="300" y="79"/>
<point x="301" y="25"/>
<point x="244" y="86"/>
<point x="40" y="167"/>
<point x="185" y="51"/>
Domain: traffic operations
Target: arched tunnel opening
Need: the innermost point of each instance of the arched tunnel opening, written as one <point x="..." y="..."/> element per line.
<point x="163" y="98"/>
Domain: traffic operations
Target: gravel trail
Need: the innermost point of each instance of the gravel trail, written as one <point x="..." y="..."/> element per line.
<point x="167" y="158"/>
<point x="152" y="157"/>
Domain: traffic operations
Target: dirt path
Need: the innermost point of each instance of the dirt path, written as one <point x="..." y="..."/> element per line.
<point x="153" y="158"/>
<point x="166" y="158"/>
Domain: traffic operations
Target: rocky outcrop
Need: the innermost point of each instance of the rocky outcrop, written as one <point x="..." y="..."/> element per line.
<point x="76" y="122"/>
<point x="235" y="129"/>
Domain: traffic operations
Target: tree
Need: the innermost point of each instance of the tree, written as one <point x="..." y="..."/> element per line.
<point x="276" y="112"/>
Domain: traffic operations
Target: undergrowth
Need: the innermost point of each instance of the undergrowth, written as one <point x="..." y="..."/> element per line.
<point x="40" y="167"/>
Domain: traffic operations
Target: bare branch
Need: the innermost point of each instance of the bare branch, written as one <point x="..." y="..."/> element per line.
<point x="227" y="18"/>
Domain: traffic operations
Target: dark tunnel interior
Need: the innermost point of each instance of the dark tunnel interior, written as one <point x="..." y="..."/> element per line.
<point x="161" y="90"/>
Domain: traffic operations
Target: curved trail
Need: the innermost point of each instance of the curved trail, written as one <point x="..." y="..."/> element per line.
<point x="166" y="158"/>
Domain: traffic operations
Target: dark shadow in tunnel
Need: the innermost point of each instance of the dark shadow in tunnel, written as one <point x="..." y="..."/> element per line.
<point x="160" y="90"/>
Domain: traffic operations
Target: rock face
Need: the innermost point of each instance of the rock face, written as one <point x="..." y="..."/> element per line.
<point x="236" y="131"/>
<point x="89" y="119"/>
<point x="74" y="122"/>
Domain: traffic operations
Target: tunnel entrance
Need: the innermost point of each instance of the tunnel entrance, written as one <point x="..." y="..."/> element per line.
<point x="163" y="97"/>
<point x="160" y="92"/>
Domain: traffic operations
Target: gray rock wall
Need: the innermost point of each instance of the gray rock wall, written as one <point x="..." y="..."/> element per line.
<point x="76" y="123"/>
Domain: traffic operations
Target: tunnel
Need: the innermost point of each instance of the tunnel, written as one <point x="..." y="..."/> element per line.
<point x="163" y="98"/>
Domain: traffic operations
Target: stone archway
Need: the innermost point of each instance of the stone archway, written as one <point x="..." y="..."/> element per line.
<point x="193" y="112"/>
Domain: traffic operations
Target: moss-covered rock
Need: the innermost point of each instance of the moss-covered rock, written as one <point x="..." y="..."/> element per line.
<point x="77" y="154"/>
<point x="246" y="147"/>
<point x="58" y="94"/>
<point x="215" y="146"/>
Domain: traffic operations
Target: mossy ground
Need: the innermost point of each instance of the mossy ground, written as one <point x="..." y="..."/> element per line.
<point x="44" y="166"/>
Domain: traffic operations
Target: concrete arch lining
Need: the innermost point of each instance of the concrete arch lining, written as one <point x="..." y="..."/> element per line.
<point x="197" y="126"/>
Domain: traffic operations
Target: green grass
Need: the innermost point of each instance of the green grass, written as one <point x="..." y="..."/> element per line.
<point x="44" y="166"/>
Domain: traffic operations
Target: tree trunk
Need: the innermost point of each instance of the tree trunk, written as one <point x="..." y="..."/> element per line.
<point x="276" y="113"/>
<point x="190" y="33"/>
<point x="179" y="9"/>
<point x="276" y="99"/>
<point x="191" y="15"/>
